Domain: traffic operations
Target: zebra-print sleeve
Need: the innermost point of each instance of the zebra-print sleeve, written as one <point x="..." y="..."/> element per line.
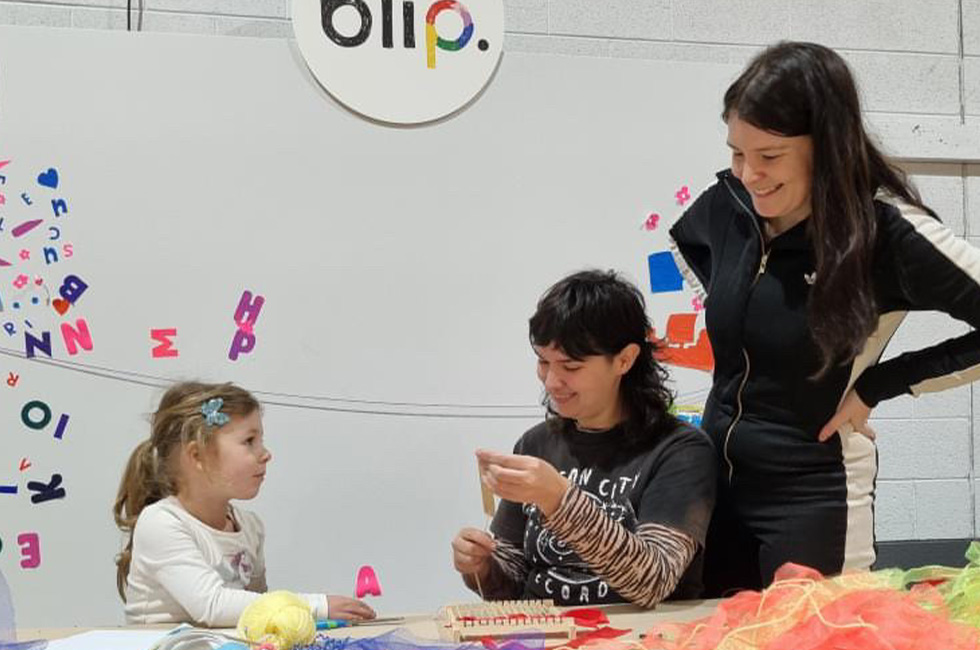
<point x="643" y="567"/>
<point x="508" y="572"/>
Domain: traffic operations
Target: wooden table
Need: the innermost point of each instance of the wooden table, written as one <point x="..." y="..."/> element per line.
<point x="424" y="626"/>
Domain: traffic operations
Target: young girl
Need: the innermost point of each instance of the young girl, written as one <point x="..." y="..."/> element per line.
<point x="608" y="499"/>
<point x="191" y="555"/>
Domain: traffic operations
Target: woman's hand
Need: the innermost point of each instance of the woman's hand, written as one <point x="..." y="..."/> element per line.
<point x="349" y="609"/>
<point x="472" y="549"/>
<point x="853" y="414"/>
<point x="522" y="479"/>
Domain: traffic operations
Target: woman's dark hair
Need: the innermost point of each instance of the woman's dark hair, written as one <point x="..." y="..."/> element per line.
<point x="793" y="89"/>
<point x="599" y="313"/>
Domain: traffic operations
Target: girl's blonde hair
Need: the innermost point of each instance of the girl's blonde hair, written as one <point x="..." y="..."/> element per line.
<point x="151" y="473"/>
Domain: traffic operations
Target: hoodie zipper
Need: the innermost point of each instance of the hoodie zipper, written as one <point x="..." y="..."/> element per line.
<point x="748" y="365"/>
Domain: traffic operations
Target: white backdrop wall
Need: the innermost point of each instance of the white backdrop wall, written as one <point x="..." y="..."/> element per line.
<point x="919" y="66"/>
<point x="398" y="268"/>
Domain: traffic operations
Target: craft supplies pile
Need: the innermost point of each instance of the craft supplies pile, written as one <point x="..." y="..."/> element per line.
<point x="928" y="608"/>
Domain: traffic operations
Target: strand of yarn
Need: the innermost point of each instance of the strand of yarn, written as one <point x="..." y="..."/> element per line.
<point x="479" y="587"/>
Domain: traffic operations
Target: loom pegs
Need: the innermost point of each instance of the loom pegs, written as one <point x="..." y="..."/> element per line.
<point x="503" y="619"/>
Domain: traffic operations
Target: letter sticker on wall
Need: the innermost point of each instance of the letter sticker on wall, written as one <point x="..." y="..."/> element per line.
<point x="166" y="347"/>
<point x="46" y="491"/>
<point x="30" y="550"/>
<point x="245" y="316"/>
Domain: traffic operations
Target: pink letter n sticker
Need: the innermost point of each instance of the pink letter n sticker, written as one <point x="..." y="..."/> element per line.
<point x="166" y="347"/>
<point x="76" y="336"/>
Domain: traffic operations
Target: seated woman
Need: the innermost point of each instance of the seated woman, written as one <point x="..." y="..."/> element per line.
<point x="609" y="498"/>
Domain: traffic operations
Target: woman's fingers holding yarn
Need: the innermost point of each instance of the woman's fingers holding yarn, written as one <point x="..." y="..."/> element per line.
<point x="471" y="550"/>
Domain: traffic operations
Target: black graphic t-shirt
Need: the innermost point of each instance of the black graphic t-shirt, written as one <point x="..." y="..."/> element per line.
<point x="668" y="480"/>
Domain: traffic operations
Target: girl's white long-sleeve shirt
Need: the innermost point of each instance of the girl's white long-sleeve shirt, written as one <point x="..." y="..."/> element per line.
<point x="183" y="570"/>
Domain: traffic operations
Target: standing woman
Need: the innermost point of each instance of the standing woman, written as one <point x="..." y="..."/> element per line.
<point x="811" y="249"/>
<point x="607" y="500"/>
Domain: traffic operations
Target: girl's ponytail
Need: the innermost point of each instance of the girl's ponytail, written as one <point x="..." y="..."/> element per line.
<point x="140" y="486"/>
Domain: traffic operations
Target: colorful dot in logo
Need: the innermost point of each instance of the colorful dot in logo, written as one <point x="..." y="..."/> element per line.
<point x="432" y="38"/>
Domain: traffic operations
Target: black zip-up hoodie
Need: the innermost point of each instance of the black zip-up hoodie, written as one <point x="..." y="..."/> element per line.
<point x="764" y="411"/>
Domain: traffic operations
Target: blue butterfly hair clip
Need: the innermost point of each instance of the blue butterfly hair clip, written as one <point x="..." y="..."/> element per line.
<point x="213" y="416"/>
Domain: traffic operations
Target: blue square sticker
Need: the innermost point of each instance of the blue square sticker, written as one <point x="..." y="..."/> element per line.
<point x="664" y="274"/>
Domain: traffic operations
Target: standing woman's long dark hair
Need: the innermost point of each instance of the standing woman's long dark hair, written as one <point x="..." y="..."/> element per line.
<point x="793" y="89"/>
<point x="599" y="313"/>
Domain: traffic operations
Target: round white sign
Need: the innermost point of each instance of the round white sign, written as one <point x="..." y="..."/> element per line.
<point x="401" y="61"/>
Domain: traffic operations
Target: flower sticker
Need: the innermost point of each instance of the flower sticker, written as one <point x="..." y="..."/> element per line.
<point x="21" y="281"/>
<point x="652" y="221"/>
<point x="683" y="195"/>
<point x="697" y="304"/>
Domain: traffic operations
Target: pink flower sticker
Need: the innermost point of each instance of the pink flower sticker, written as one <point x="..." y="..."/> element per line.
<point x="683" y="195"/>
<point x="21" y="281"/>
<point x="25" y="254"/>
<point x="652" y="221"/>
<point x="697" y="304"/>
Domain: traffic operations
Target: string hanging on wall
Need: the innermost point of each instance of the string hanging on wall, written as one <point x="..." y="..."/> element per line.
<point x="298" y="401"/>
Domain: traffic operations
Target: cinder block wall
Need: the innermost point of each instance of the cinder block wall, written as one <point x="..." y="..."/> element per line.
<point x="911" y="57"/>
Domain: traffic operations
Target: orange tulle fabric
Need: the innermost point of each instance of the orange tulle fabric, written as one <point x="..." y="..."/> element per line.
<point x="801" y="610"/>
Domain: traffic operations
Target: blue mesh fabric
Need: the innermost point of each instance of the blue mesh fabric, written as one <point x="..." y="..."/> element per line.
<point x="403" y="640"/>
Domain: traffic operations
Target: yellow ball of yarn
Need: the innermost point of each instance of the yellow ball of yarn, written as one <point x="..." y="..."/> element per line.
<point x="279" y="618"/>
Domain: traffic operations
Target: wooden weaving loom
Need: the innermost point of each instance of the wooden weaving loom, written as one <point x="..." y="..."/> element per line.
<point x="472" y="622"/>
